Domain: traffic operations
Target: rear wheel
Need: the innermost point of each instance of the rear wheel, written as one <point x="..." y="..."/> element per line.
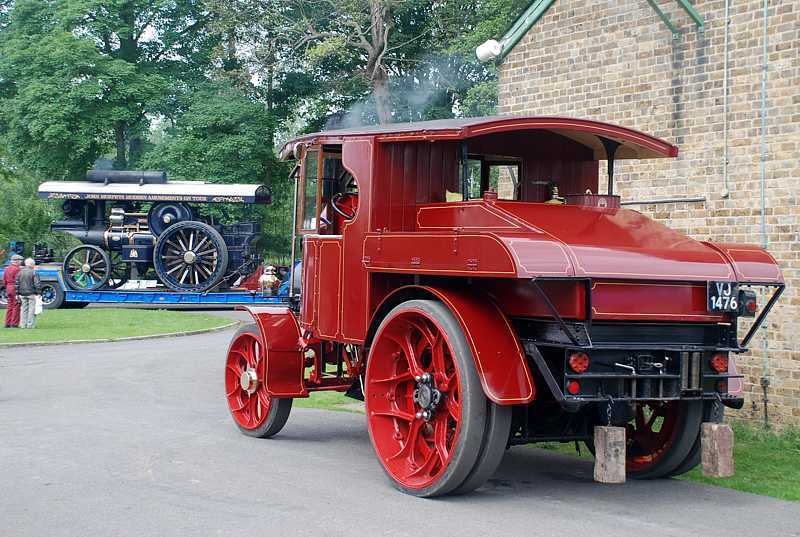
<point x="495" y="440"/>
<point x="713" y="412"/>
<point x="255" y="412"/>
<point x="190" y="256"/>
<point x="660" y="437"/>
<point x="426" y="411"/>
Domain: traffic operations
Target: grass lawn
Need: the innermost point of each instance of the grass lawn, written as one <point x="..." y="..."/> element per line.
<point x="767" y="463"/>
<point x="327" y="401"/>
<point x="108" y="323"/>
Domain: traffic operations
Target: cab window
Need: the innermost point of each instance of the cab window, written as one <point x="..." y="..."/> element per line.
<point x="310" y="190"/>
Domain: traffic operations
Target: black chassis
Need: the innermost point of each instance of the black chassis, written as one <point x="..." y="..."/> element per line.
<point x="624" y="355"/>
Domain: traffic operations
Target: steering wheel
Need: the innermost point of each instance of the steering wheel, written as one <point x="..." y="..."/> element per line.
<point x="348" y="213"/>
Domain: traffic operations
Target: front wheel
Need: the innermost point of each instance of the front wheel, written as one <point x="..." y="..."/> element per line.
<point x="255" y="412"/>
<point x="426" y="411"/>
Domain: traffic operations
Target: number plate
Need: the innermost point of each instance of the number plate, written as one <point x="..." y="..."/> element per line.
<point x="723" y="297"/>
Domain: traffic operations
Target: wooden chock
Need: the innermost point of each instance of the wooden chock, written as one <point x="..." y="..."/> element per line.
<point x="609" y="457"/>
<point x="716" y="440"/>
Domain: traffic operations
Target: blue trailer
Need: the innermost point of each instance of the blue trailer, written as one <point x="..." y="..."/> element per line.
<point x="56" y="294"/>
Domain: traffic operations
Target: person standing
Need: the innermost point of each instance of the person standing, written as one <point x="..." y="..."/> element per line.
<point x="10" y="283"/>
<point x="28" y="288"/>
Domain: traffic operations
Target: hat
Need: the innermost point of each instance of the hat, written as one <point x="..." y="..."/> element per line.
<point x="16" y="257"/>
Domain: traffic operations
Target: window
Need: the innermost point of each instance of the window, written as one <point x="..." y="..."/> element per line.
<point x="310" y="187"/>
<point x="504" y="179"/>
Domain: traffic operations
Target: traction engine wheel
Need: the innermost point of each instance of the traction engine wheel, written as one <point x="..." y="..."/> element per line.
<point x="426" y="411"/>
<point x="660" y="437"/>
<point x="120" y="271"/>
<point x="86" y="268"/>
<point x="254" y="411"/>
<point x="190" y="256"/>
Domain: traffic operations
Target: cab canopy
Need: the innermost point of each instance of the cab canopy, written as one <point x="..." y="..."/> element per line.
<point x="520" y="158"/>
<point x="590" y="135"/>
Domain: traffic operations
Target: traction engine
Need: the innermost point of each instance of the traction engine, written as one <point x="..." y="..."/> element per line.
<point x="123" y="238"/>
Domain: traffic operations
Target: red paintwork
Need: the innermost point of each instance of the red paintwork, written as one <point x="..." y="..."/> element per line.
<point x="415" y="453"/>
<point x="248" y="410"/>
<point x="479" y="253"/>
<point x="282" y="352"/>
<point x="500" y="360"/>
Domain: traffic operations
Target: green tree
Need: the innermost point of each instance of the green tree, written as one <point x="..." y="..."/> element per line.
<point x="221" y="138"/>
<point x="81" y="77"/>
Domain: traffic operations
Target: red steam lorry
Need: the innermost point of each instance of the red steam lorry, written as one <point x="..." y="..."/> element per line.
<point x="464" y="279"/>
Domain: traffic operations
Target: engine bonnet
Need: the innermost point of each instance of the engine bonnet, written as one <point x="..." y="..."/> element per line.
<point x="622" y="243"/>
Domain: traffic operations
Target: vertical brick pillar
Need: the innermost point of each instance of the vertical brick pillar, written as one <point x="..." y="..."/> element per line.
<point x="609" y="456"/>
<point x="717" y="450"/>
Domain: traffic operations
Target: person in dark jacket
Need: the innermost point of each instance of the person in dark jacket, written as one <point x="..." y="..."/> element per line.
<point x="10" y="284"/>
<point x="28" y="288"/>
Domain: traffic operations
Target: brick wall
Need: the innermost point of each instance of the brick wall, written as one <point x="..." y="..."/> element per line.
<point x="616" y="61"/>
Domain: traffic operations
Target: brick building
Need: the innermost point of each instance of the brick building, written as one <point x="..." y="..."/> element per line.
<point x="619" y="61"/>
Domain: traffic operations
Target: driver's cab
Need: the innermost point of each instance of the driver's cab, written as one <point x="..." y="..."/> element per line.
<point x="326" y="203"/>
<point x="328" y="195"/>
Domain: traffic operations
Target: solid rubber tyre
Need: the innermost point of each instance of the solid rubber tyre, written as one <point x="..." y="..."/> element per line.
<point x="713" y="412"/>
<point x="687" y="416"/>
<point x="417" y="337"/>
<point x="258" y="414"/>
<point x="493" y="447"/>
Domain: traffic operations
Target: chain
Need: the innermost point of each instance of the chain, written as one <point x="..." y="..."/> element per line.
<point x="608" y="410"/>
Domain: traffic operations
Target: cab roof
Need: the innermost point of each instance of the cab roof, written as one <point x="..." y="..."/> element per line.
<point x="634" y="144"/>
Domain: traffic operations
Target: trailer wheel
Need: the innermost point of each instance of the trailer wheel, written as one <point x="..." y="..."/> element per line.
<point x="426" y="411"/>
<point x="255" y="412"/>
<point x="52" y="295"/>
<point x="660" y="437"/>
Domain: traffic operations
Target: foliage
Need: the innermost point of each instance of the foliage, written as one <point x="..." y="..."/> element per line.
<point x="207" y="89"/>
<point x="221" y="138"/>
<point x="24" y="217"/>
<point x="79" y="77"/>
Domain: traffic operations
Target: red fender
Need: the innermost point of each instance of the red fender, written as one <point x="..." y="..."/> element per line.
<point x="281" y="348"/>
<point x="499" y="358"/>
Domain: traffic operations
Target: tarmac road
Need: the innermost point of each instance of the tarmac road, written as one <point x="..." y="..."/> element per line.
<point x="134" y="439"/>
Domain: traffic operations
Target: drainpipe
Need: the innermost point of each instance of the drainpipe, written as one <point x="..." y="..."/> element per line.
<point x="763" y="180"/>
<point x="726" y="190"/>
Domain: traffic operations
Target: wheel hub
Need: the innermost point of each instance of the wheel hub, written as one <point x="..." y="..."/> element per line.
<point x="248" y="380"/>
<point x="85" y="268"/>
<point x="426" y="396"/>
<point x="189" y="257"/>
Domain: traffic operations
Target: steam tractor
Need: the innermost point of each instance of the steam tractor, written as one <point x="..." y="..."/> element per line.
<point x="466" y="280"/>
<point x="119" y="238"/>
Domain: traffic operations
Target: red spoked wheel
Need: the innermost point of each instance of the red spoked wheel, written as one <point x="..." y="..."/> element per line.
<point x="426" y="410"/>
<point x="660" y="437"/>
<point x="254" y="411"/>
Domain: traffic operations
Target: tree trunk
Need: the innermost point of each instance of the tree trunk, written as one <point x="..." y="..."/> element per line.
<point x="383" y="98"/>
<point x="120" y="161"/>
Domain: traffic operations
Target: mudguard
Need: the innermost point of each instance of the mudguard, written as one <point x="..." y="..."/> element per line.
<point x="499" y="358"/>
<point x="281" y="348"/>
